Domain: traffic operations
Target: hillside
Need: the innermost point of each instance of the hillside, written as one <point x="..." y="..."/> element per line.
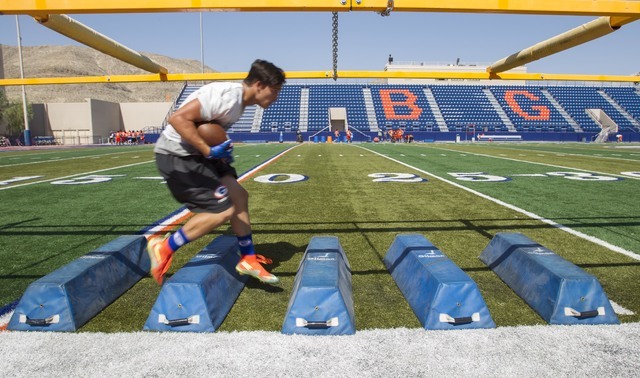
<point x="61" y="61"/>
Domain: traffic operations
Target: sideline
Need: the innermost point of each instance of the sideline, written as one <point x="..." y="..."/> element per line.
<point x="524" y="351"/>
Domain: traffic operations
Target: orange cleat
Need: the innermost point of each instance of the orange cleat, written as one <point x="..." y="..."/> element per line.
<point x="250" y="265"/>
<point x="160" y="258"/>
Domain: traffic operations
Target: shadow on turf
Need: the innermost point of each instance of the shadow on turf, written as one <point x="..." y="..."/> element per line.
<point x="16" y="229"/>
<point x="282" y="251"/>
<point x="278" y="252"/>
<point x="417" y="225"/>
<point x="34" y="264"/>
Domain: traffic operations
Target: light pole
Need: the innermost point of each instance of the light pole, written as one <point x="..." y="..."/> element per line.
<point x="201" y="47"/>
<point x="27" y="132"/>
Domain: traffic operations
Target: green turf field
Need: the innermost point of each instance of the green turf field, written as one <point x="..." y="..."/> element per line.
<point x="60" y="204"/>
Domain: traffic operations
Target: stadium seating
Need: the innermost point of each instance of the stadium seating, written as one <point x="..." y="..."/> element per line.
<point x="403" y="106"/>
<point x="466" y="105"/>
<point x="323" y="97"/>
<point x="529" y="110"/>
<point x="575" y="100"/>
<point x="184" y="93"/>
<point x="525" y="110"/>
<point x="284" y="113"/>
<point x="628" y="98"/>
<point x="245" y="123"/>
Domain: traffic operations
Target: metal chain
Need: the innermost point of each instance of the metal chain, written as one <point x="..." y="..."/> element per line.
<point x="387" y="11"/>
<point x="335" y="44"/>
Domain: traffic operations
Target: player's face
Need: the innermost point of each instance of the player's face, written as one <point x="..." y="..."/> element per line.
<point x="266" y="95"/>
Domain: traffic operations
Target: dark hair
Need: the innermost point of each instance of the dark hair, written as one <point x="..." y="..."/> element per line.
<point x="266" y="73"/>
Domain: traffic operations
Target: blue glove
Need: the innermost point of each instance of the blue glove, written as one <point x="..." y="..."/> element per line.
<point x="221" y="151"/>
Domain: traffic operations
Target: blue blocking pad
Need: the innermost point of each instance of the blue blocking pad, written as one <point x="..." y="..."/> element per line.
<point x="200" y="295"/>
<point x="321" y="302"/>
<point x="67" y="298"/>
<point x="441" y="294"/>
<point x="559" y="291"/>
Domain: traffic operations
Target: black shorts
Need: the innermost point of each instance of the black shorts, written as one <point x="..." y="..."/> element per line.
<point x="195" y="181"/>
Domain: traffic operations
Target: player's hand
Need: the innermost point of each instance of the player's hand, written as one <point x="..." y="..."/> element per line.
<point x="221" y="151"/>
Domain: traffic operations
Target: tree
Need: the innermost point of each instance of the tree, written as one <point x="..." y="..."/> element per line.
<point x="13" y="114"/>
<point x="3" y="104"/>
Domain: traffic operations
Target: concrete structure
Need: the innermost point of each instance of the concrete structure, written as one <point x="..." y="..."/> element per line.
<point x="416" y="66"/>
<point x="91" y="122"/>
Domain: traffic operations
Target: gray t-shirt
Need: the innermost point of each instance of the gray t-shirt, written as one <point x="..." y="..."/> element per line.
<point x="219" y="102"/>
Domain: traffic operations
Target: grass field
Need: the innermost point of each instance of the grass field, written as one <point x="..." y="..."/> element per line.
<point x="60" y="204"/>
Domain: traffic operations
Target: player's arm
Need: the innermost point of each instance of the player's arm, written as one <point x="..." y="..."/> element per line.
<point x="184" y="121"/>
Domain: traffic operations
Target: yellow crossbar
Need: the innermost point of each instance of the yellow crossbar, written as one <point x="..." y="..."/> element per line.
<point x="549" y="7"/>
<point x="218" y="76"/>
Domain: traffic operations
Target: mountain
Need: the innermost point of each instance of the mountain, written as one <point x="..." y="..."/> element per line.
<point x="63" y="61"/>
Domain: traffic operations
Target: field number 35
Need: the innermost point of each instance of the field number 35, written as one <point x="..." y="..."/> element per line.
<point x="483" y="177"/>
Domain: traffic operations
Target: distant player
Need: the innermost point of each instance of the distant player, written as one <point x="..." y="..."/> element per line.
<point x="201" y="177"/>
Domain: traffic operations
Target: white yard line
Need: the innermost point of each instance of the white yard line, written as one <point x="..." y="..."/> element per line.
<point x="78" y="174"/>
<point x="545" y="164"/>
<point x="4" y="318"/>
<point x="55" y="160"/>
<point x="579" y="234"/>
<point x="620" y="310"/>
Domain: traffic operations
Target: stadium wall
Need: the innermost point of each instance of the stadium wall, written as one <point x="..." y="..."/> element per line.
<point x="139" y="115"/>
<point x="104" y="117"/>
<point x="91" y="122"/>
<point x="64" y="122"/>
<point x="392" y="66"/>
<point x="420" y="137"/>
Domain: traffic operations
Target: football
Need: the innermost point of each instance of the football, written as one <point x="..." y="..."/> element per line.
<point x="212" y="133"/>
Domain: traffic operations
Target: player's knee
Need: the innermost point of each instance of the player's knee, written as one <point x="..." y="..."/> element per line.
<point x="240" y="196"/>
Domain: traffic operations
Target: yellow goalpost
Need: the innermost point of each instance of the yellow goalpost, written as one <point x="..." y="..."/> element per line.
<point x="612" y="15"/>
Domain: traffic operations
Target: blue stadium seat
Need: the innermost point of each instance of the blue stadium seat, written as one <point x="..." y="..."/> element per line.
<point x="575" y="100"/>
<point x="462" y="106"/>
<point x="528" y="109"/>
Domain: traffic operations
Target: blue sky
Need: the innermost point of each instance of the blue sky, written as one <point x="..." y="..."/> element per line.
<point x="302" y="41"/>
